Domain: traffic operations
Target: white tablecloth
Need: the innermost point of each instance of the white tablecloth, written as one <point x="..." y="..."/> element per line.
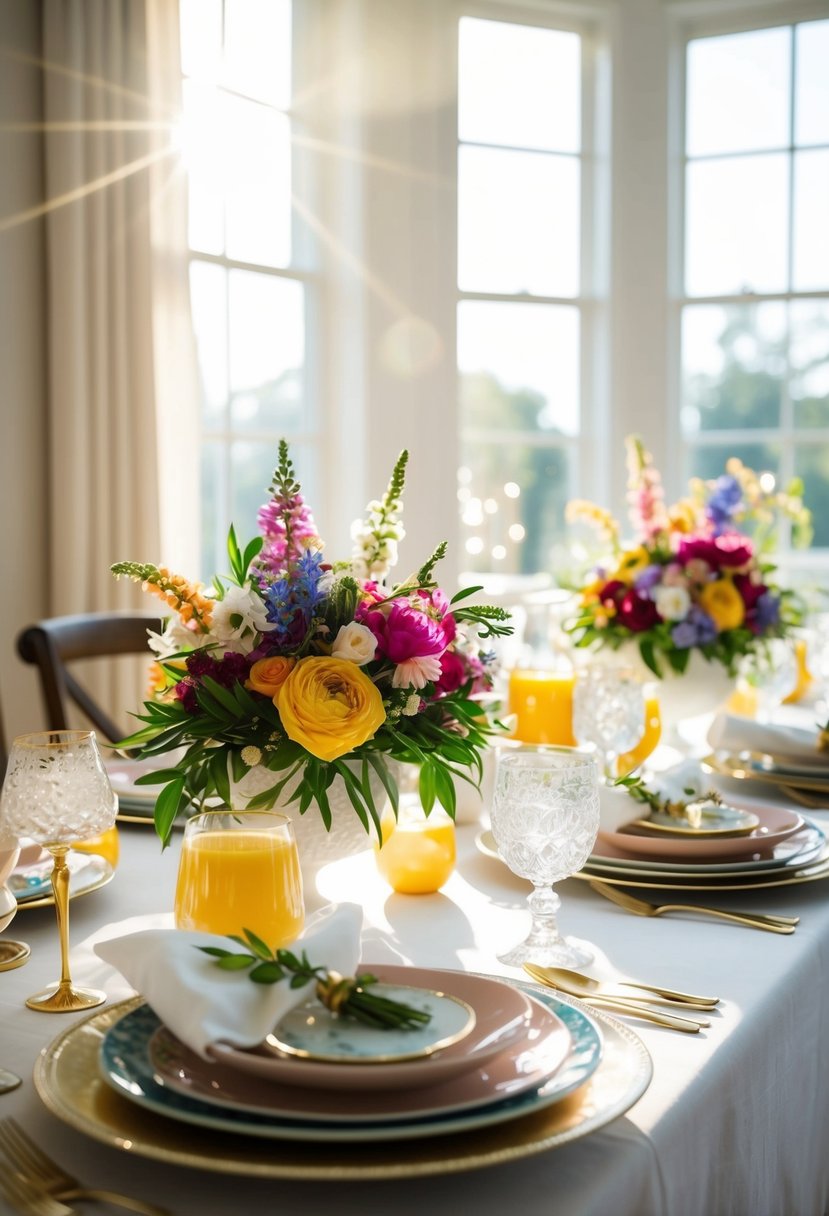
<point x="735" y="1121"/>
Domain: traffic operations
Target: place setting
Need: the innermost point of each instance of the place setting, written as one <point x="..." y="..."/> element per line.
<point x="789" y="752"/>
<point x="237" y="1069"/>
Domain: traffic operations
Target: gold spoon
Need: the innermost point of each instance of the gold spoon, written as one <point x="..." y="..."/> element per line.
<point x="628" y="1009"/>
<point x="583" y="985"/>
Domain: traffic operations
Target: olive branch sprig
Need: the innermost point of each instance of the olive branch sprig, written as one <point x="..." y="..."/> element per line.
<point x="639" y="792"/>
<point x="346" y="996"/>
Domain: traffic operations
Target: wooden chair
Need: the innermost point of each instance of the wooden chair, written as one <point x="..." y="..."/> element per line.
<point x="51" y="644"/>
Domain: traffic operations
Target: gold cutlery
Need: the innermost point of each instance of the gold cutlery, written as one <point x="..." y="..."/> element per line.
<point x="46" y="1186"/>
<point x="754" y="920"/>
<point x="628" y="1009"/>
<point x="584" y="986"/>
<point x="22" y="1194"/>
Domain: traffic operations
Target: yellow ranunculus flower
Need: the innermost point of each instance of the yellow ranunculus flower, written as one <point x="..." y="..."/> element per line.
<point x="631" y="563"/>
<point x="268" y="675"/>
<point x="723" y="603"/>
<point x="329" y="706"/>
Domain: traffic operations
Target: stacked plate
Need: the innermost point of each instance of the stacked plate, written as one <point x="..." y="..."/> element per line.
<point x="491" y="1053"/>
<point x="783" y="848"/>
<point x="806" y="783"/>
<point x="30" y="882"/>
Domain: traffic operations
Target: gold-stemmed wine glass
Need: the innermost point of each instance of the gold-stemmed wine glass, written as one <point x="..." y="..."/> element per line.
<point x="57" y="791"/>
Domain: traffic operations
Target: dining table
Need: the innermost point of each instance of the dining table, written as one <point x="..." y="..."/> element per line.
<point x="733" y="1122"/>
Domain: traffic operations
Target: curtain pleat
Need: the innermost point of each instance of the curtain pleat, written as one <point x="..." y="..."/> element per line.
<point x="112" y="269"/>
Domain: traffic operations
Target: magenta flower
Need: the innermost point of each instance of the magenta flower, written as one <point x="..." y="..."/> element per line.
<point x="731" y="549"/>
<point x="289" y="529"/>
<point x="409" y="639"/>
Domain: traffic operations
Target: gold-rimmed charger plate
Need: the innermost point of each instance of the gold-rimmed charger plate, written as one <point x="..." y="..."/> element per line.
<point x="67" y="1078"/>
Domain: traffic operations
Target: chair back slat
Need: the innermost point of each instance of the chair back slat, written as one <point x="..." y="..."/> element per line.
<point x="51" y="644"/>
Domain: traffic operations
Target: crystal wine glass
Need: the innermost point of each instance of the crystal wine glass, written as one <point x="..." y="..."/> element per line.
<point x="545" y="816"/>
<point x="609" y="712"/>
<point x="57" y="791"/>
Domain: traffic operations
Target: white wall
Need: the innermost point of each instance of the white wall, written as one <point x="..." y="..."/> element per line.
<point x="23" y="492"/>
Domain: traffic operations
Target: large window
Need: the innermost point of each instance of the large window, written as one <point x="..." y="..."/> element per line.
<point x="447" y="224"/>
<point x="520" y="287"/>
<point x="755" y="313"/>
<point x="248" y="277"/>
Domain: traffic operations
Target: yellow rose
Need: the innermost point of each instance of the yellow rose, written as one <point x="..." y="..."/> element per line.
<point x="329" y="706"/>
<point x="723" y="603"/>
<point x="268" y="675"/>
<point x="631" y="563"/>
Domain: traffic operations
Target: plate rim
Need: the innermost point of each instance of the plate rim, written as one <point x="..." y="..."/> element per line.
<point x="47" y="901"/>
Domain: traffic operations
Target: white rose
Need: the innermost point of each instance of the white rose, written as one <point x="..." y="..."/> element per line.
<point x="354" y="642"/>
<point x="672" y="603"/>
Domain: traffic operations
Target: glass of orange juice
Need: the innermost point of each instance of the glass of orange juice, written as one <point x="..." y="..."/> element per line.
<point x="542" y="701"/>
<point x="240" y="870"/>
<point x="417" y="854"/>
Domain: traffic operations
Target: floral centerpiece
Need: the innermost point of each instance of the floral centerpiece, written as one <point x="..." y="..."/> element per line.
<point x="314" y="671"/>
<point x="693" y="579"/>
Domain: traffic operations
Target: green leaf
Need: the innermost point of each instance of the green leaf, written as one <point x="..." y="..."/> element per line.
<point x="235" y="962"/>
<point x="444" y="788"/>
<point x="427" y="786"/>
<point x="218" y="775"/>
<point x="223" y="695"/>
<point x="253" y="550"/>
<point x="646" y="649"/>
<point x="160" y="777"/>
<point x="462" y="595"/>
<point x="216" y="951"/>
<point x="267" y="973"/>
<point x="256" y="944"/>
<point x="354" y="790"/>
<point x="380" y="767"/>
<point x="167" y="807"/>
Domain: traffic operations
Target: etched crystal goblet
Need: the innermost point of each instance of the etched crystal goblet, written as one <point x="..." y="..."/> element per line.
<point x="609" y="712"/>
<point x="545" y="816"/>
<point x="57" y="791"/>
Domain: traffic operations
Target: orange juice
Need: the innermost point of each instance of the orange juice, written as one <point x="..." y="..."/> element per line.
<point x="418" y="853"/>
<point x="106" y="845"/>
<point x="653" y="732"/>
<point x="542" y="702"/>
<point x="233" y="879"/>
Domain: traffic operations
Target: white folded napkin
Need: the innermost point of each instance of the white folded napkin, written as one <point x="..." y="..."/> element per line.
<point x="682" y="782"/>
<point x="793" y="744"/>
<point x="202" y="1004"/>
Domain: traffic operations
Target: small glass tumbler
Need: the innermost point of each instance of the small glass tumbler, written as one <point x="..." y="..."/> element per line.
<point x="240" y="870"/>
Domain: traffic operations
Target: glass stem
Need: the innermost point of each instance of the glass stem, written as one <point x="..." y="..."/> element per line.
<point x="60" y="888"/>
<point x="543" y="905"/>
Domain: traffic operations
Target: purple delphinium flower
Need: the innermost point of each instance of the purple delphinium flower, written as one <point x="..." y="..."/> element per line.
<point x="724" y="502"/>
<point x="696" y="630"/>
<point x="766" y="612"/>
<point x="648" y="579"/>
<point x="290" y="601"/>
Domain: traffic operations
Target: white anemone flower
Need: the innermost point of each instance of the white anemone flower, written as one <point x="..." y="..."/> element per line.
<point x="237" y="620"/>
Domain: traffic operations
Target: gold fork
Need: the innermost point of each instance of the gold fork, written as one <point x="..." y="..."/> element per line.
<point x="44" y="1177"/>
<point x="22" y="1195"/>
<point x="755" y="920"/>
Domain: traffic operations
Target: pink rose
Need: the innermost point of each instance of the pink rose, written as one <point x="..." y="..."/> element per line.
<point x="731" y="549"/>
<point x="453" y="672"/>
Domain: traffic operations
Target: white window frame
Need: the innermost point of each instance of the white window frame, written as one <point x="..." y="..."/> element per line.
<point x="690" y="20"/>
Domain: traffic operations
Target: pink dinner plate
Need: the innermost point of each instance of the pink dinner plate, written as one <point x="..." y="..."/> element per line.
<point x="776" y="824"/>
<point x="502" y="1019"/>
<point x="525" y="1066"/>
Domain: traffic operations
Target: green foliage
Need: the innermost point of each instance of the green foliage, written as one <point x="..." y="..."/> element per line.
<point x="348" y="997"/>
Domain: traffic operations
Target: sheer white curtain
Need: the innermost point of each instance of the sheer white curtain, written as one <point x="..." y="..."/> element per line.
<point x="119" y="349"/>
